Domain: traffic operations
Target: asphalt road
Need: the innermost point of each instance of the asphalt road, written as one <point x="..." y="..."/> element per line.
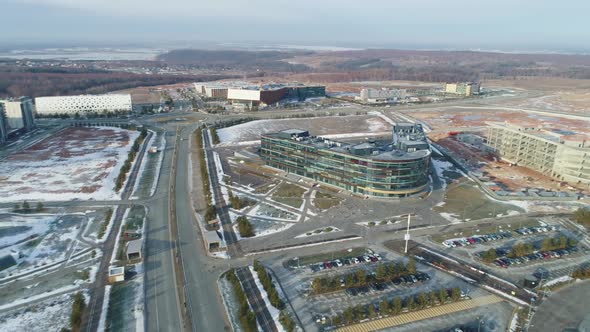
<point x="255" y="299"/>
<point x="206" y="309"/>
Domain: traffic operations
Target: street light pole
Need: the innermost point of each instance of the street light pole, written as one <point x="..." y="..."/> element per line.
<point x="407" y="235"/>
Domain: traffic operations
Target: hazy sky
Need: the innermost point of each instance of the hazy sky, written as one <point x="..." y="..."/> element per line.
<point x="507" y="24"/>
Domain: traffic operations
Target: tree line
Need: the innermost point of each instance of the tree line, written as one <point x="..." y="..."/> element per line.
<point x="130" y="157"/>
<point x="246" y="316"/>
<point x="396" y="306"/>
<point x="245" y="228"/>
<point x="210" y="211"/>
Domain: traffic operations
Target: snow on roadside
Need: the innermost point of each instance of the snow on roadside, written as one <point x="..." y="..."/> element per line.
<point x="382" y="116"/>
<point x="274" y="312"/>
<point x="105" y="308"/>
<point x="440" y="166"/>
<point x="142" y="166"/>
<point x="559" y="280"/>
<point x="108" y="229"/>
<point x="158" y="165"/>
<point x="514" y="322"/>
<point x="220" y="176"/>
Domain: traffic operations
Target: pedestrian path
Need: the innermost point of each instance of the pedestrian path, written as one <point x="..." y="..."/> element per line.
<point x="410" y="317"/>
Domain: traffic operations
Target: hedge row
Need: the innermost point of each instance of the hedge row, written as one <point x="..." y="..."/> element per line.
<point x="246" y="316"/>
<point x="130" y="157"/>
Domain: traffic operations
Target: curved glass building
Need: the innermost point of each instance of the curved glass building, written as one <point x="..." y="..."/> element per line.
<point x="392" y="169"/>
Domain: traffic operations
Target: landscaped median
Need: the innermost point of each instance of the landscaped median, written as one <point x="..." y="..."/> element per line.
<point x="409" y="317"/>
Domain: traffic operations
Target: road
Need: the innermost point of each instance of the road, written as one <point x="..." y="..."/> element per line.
<point x="255" y="299"/>
<point x="200" y="271"/>
<point x="222" y="209"/>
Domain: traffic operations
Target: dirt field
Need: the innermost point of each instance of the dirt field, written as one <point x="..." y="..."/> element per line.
<point x="77" y="163"/>
<point x="455" y="117"/>
<point x="152" y="94"/>
<point x="513" y="178"/>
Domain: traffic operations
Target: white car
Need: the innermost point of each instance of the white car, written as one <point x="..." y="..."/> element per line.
<point x="378" y="257"/>
<point x="338" y="263"/>
<point x="355" y="260"/>
<point x="366" y="259"/>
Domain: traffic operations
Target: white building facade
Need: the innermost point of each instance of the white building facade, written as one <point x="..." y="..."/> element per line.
<point x="83" y="104"/>
<point x="18" y="114"/>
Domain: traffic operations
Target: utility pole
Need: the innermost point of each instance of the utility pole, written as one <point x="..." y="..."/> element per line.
<point x="407" y="235"/>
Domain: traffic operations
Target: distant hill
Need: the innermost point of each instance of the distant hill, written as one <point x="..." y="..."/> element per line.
<point x="248" y="60"/>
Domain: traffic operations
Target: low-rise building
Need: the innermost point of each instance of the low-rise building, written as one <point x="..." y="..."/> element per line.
<point x="466" y="89"/>
<point x="212" y="240"/>
<point x="116" y="274"/>
<point x="134" y="249"/>
<point x="382" y="95"/>
<point x="562" y="154"/>
<point x="84" y="104"/>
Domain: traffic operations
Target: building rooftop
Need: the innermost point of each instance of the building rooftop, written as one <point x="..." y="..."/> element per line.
<point x="556" y="135"/>
<point x="118" y="270"/>
<point x="212" y="236"/>
<point x="409" y="146"/>
<point x="134" y="246"/>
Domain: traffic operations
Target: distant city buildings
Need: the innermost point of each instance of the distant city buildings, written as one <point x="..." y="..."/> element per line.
<point x="466" y="89"/>
<point x="245" y="95"/>
<point x="16" y="116"/>
<point x="396" y="168"/>
<point x="71" y="105"/>
<point x="562" y="154"/>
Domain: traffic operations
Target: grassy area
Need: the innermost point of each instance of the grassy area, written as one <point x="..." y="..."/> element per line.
<point x="322" y="257"/>
<point x="289" y="194"/>
<point x="468" y="202"/>
<point x="263" y="189"/>
<point x="135" y="218"/>
<point x="120" y="302"/>
<point x="325" y="201"/>
<point x="475" y="229"/>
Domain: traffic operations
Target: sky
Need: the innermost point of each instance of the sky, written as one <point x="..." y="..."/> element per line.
<point x="438" y="24"/>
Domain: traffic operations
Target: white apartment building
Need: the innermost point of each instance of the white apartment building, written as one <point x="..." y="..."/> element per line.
<point x="561" y="154"/>
<point x="18" y="114"/>
<point x="83" y="104"/>
<point x="466" y="89"/>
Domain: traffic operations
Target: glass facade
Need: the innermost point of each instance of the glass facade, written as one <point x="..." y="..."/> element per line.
<point x="365" y="175"/>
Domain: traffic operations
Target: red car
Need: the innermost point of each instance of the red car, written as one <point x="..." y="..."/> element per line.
<point x="327" y="265"/>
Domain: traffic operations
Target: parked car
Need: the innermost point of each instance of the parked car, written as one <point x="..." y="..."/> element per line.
<point x="355" y="260"/>
<point x="338" y="263"/>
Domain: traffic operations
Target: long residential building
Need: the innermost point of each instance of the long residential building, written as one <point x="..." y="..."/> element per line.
<point x="395" y="168"/>
<point x="561" y="154"/>
<point x="382" y="95"/>
<point x="115" y="103"/>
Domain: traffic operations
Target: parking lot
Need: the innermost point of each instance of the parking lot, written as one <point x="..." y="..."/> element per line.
<point x="344" y="290"/>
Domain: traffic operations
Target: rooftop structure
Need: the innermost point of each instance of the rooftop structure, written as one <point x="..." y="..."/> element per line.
<point x="562" y="154"/>
<point x="382" y="169"/>
<point x="114" y="103"/>
<point x="116" y="274"/>
<point x="212" y="240"/>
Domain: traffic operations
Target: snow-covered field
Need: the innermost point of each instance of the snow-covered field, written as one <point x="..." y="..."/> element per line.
<point x="49" y="316"/>
<point x="332" y="127"/>
<point x="75" y="163"/>
<point x="22" y="227"/>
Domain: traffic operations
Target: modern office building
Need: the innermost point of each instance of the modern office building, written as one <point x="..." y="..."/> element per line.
<point x="561" y="154"/>
<point x="211" y="90"/>
<point x="116" y="103"/>
<point x="271" y="94"/>
<point x="395" y="168"/>
<point x="466" y="89"/>
<point x="382" y="95"/>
